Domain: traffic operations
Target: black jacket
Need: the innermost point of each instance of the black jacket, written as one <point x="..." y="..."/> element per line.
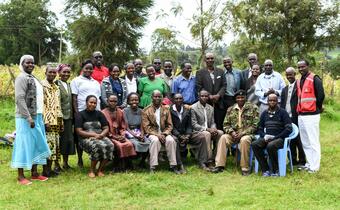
<point x="293" y="101"/>
<point x="183" y="127"/>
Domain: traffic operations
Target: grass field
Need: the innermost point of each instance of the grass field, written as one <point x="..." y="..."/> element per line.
<point x="164" y="190"/>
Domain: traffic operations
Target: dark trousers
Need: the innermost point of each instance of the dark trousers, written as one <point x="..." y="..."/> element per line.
<point x="219" y="115"/>
<point x="272" y="147"/>
<point x="296" y="148"/>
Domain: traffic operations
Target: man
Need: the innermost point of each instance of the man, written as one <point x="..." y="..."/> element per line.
<point x="310" y="94"/>
<point x="99" y="70"/>
<point x="268" y="83"/>
<point x="138" y="69"/>
<point x="233" y="82"/>
<point x="212" y="80"/>
<point x="181" y="118"/>
<point x="245" y="74"/>
<point x="157" y="124"/>
<point x="240" y="126"/>
<point x="202" y="119"/>
<point x="167" y="75"/>
<point x="289" y="102"/>
<point x="157" y="64"/>
<point x="275" y="125"/>
<point x="185" y="84"/>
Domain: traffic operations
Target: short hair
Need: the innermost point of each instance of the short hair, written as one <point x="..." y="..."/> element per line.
<point x="156" y="91"/>
<point x="290" y="69"/>
<point x="268" y="61"/>
<point x="90" y="96"/>
<point x="149" y="65"/>
<point x="132" y="94"/>
<point x="86" y="61"/>
<point x="112" y="66"/>
<point x="128" y="63"/>
<point x="96" y="52"/>
<point x="304" y="60"/>
<point x="203" y="90"/>
<point x="169" y="61"/>
<point x="252" y="54"/>
<point x="183" y="64"/>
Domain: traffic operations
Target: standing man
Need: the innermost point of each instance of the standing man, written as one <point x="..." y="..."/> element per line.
<point x="185" y="84"/>
<point x="275" y="125"/>
<point x="246" y="74"/>
<point x="167" y="75"/>
<point x="157" y="124"/>
<point x="202" y="119"/>
<point x="268" y="83"/>
<point x="289" y="102"/>
<point x="310" y="94"/>
<point x="157" y="64"/>
<point x="99" y="70"/>
<point x="233" y="82"/>
<point x="138" y="68"/>
<point x="212" y="80"/>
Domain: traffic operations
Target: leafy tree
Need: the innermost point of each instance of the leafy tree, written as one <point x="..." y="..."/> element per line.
<point x="28" y="27"/>
<point x="113" y="27"/>
<point x="289" y="29"/>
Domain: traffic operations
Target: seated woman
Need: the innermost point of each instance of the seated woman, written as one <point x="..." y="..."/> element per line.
<point x="117" y="126"/>
<point x="92" y="128"/>
<point x="134" y="130"/>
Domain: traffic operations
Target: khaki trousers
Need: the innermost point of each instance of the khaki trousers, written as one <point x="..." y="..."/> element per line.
<point x="211" y="142"/>
<point x="155" y="148"/>
<point x="226" y="141"/>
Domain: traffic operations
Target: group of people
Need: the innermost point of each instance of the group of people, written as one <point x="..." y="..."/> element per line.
<point x="154" y="114"/>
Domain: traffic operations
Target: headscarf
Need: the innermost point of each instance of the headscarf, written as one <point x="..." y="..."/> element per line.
<point x="61" y="66"/>
<point x="24" y="57"/>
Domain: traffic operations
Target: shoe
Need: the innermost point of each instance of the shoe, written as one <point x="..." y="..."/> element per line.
<point x="91" y="175"/>
<point x="24" y="181"/>
<point x="266" y="174"/>
<point x="174" y="169"/>
<point x="152" y="170"/>
<point x="39" y="178"/>
<point x="67" y="167"/>
<point x="245" y="173"/>
<point x="274" y="175"/>
<point x="302" y="168"/>
<point x="181" y="169"/>
<point x="204" y="167"/>
<point x="58" y="170"/>
<point x="217" y="169"/>
<point x="311" y="171"/>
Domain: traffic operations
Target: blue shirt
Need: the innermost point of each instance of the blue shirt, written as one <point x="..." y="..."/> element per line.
<point x="186" y="87"/>
<point x="264" y="82"/>
<point x="233" y="79"/>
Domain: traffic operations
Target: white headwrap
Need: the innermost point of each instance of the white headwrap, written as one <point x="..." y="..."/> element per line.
<point x="22" y="60"/>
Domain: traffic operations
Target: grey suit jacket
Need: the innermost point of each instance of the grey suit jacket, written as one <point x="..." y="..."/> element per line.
<point x="65" y="100"/>
<point x="198" y="119"/>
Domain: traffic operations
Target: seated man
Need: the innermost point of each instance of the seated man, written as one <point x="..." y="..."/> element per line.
<point x="275" y="125"/>
<point x="240" y="126"/>
<point x="157" y="123"/>
<point x="181" y="118"/>
<point x="202" y="119"/>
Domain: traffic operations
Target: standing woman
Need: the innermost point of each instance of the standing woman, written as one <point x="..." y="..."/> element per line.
<point x="130" y="79"/>
<point x="148" y="84"/>
<point x="67" y="146"/>
<point x="53" y="119"/>
<point x="134" y="129"/>
<point x="114" y="85"/>
<point x="81" y="87"/>
<point x="92" y="129"/>
<point x="250" y="85"/>
<point x="30" y="146"/>
<point x="117" y="127"/>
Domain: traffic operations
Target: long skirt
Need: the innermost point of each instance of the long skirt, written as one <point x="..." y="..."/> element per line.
<point x="98" y="149"/>
<point x="139" y="146"/>
<point x="67" y="146"/>
<point x="124" y="149"/>
<point x="30" y="145"/>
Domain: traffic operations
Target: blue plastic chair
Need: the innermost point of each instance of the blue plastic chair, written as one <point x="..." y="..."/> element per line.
<point x="282" y="153"/>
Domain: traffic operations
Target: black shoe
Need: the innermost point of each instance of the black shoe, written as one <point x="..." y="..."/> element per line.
<point x="217" y="169"/>
<point x="152" y="170"/>
<point x="245" y="173"/>
<point x="181" y="169"/>
<point x="204" y="167"/>
<point x="174" y="169"/>
<point x="58" y="170"/>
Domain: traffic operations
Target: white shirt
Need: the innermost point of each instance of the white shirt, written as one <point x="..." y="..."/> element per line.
<point x="64" y="84"/>
<point x="83" y="87"/>
<point x="40" y="96"/>
<point x="158" y="118"/>
<point x="205" y="118"/>
<point x="289" y="96"/>
<point x="264" y="82"/>
<point x="131" y="85"/>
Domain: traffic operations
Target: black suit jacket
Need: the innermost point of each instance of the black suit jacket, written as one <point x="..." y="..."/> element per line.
<point x="183" y="127"/>
<point x="293" y="101"/>
<point x="203" y="81"/>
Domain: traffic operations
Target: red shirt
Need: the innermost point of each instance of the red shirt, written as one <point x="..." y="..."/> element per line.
<point x="99" y="73"/>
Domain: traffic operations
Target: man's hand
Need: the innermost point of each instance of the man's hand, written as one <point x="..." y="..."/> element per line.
<point x="161" y="138"/>
<point x="212" y="131"/>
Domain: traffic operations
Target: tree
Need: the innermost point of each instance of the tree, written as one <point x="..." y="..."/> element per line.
<point x="113" y="27"/>
<point x="28" y="27"/>
<point x="290" y="29"/>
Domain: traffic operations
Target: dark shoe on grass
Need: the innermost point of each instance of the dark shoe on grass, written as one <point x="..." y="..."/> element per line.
<point x="217" y="169"/>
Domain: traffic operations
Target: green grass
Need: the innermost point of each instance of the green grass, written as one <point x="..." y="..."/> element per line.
<point x="195" y="190"/>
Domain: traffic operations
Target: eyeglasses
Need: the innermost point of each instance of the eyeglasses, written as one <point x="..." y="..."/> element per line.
<point x="157" y="63"/>
<point x="98" y="56"/>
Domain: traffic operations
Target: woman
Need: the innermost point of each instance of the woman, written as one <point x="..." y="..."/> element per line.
<point x="250" y="85"/>
<point x="114" y="85"/>
<point x="67" y="146"/>
<point x="81" y="87"/>
<point x="30" y="146"/>
<point x="92" y="128"/>
<point x="117" y="126"/>
<point x="134" y="130"/>
<point x="148" y="84"/>
<point x="53" y="119"/>
<point x="130" y="79"/>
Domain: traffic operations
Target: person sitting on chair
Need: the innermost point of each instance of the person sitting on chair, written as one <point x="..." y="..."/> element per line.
<point x="240" y="126"/>
<point x="275" y="125"/>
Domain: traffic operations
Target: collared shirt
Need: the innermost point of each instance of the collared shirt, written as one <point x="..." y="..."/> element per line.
<point x="168" y="80"/>
<point x="265" y="82"/>
<point x="100" y="73"/>
<point x="83" y="87"/>
<point x="131" y="85"/>
<point x="158" y="118"/>
<point x="186" y="87"/>
<point x="40" y="96"/>
<point x="179" y="113"/>
<point x="231" y="86"/>
<point x="289" y="96"/>
<point x="239" y="115"/>
<point x="64" y="84"/>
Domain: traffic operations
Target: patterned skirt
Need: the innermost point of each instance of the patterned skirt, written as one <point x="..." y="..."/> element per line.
<point x="52" y="136"/>
<point x="30" y="146"/>
<point x="98" y="149"/>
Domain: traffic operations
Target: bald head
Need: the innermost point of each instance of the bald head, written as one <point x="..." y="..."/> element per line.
<point x="209" y="60"/>
<point x="290" y="74"/>
<point x="252" y="59"/>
